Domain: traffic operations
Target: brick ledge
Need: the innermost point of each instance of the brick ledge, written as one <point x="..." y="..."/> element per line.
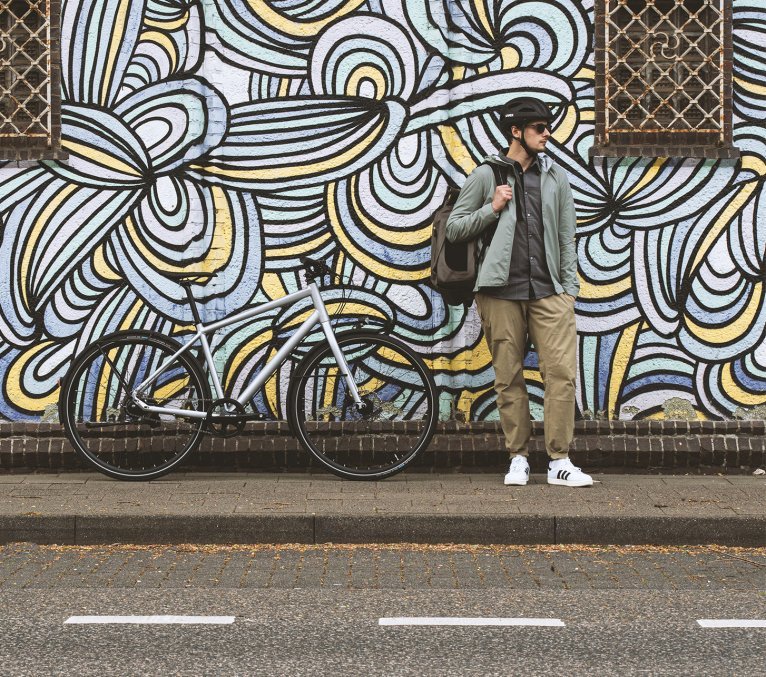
<point x="734" y="447"/>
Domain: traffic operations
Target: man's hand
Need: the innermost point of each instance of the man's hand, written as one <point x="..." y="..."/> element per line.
<point x="503" y="194"/>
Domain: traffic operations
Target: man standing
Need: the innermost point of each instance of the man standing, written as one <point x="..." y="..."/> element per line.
<point x="527" y="284"/>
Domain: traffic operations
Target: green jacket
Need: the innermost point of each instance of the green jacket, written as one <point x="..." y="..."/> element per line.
<point x="472" y="214"/>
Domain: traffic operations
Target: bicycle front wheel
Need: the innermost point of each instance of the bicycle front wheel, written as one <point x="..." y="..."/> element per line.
<point x="108" y="428"/>
<point x="395" y="422"/>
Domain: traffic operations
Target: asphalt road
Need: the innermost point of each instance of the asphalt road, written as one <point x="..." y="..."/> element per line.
<point x="317" y="610"/>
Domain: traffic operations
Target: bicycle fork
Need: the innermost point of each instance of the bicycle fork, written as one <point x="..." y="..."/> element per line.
<point x="341" y="360"/>
<point x="324" y="321"/>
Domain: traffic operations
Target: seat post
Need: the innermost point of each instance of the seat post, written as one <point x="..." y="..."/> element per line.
<point x="192" y="303"/>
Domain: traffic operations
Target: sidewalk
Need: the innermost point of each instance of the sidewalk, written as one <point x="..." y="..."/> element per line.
<point x="86" y="508"/>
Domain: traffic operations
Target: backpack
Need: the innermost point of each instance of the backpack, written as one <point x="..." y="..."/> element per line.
<point x="455" y="265"/>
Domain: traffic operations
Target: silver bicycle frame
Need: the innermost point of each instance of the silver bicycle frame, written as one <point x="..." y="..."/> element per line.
<point x="319" y="315"/>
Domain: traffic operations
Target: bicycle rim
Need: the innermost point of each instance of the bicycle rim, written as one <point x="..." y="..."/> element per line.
<point x="396" y="422"/>
<point x="109" y="430"/>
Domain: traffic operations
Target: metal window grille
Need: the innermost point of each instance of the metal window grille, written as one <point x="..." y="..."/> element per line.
<point x="664" y="65"/>
<point x="26" y="110"/>
<point x="663" y="76"/>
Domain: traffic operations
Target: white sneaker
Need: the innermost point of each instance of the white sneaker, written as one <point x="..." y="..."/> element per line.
<point x="563" y="472"/>
<point x="518" y="473"/>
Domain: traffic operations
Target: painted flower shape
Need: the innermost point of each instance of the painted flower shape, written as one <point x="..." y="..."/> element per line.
<point x="552" y="35"/>
<point x="270" y="37"/>
<point x="628" y="211"/>
<point x="371" y="140"/>
<point x="98" y="232"/>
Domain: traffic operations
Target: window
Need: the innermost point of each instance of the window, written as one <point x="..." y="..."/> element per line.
<point x="663" y="78"/>
<point x="30" y="126"/>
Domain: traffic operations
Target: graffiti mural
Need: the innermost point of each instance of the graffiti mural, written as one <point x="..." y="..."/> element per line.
<point x="234" y="136"/>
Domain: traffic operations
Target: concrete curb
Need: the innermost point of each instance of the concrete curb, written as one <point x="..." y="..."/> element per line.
<point x="424" y="528"/>
<point x="741" y="531"/>
<point x="407" y="528"/>
<point x="41" y="529"/>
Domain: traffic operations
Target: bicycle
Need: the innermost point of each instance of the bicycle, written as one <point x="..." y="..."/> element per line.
<point x="135" y="403"/>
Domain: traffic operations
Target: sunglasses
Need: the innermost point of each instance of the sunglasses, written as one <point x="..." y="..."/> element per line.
<point x="540" y="127"/>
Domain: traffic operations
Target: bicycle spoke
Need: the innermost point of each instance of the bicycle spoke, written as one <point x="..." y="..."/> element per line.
<point x="394" y="423"/>
<point x="109" y="428"/>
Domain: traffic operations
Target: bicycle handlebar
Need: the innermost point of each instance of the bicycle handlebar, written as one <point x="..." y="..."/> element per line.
<point x="314" y="268"/>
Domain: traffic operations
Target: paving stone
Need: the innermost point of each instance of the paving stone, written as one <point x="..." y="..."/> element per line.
<point x="491" y="571"/>
<point x="323" y="505"/>
<point x="129" y="570"/>
<point x="233" y="570"/>
<point x="363" y="569"/>
<point x="285" y="570"/>
<point x="158" y="568"/>
<point x="440" y="572"/>
<point x="337" y="572"/>
<point x="389" y="569"/>
<point x="258" y="574"/>
<point x="414" y="570"/>
<point x="466" y="570"/>
<point x="311" y="569"/>
<point x="24" y="575"/>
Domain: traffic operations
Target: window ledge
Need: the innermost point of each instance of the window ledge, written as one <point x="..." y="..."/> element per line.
<point x="661" y="150"/>
<point x="30" y="158"/>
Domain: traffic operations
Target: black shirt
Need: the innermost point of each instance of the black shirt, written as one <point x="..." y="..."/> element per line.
<point x="528" y="276"/>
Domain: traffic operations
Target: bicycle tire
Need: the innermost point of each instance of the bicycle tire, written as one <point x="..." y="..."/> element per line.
<point x="398" y="390"/>
<point x="107" y="430"/>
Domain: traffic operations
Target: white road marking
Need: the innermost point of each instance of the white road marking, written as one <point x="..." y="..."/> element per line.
<point x="732" y="623"/>
<point x="151" y="620"/>
<point x="455" y="620"/>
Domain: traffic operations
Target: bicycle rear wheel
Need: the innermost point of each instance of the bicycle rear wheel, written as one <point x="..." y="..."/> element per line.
<point x="395" y="423"/>
<point x="108" y="429"/>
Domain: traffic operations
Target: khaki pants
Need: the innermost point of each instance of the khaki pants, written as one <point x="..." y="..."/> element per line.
<point x="550" y="324"/>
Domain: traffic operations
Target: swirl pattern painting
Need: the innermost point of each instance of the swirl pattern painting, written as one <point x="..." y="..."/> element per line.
<point x="235" y="136"/>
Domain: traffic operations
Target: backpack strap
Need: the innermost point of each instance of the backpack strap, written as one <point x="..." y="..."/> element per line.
<point x="500" y="179"/>
<point x="489" y="233"/>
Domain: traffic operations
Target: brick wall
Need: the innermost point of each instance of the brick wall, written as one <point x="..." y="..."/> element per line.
<point x="731" y="447"/>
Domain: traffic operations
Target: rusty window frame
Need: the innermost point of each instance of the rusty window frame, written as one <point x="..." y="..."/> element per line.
<point x="30" y="80"/>
<point x="647" y="138"/>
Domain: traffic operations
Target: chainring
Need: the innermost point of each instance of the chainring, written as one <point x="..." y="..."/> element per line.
<point x="225" y="418"/>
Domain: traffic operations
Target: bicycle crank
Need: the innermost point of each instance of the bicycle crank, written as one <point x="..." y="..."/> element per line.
<point x="225" y="418"/>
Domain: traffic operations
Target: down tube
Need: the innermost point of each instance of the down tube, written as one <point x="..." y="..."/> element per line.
<point x="280" y="357"/>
